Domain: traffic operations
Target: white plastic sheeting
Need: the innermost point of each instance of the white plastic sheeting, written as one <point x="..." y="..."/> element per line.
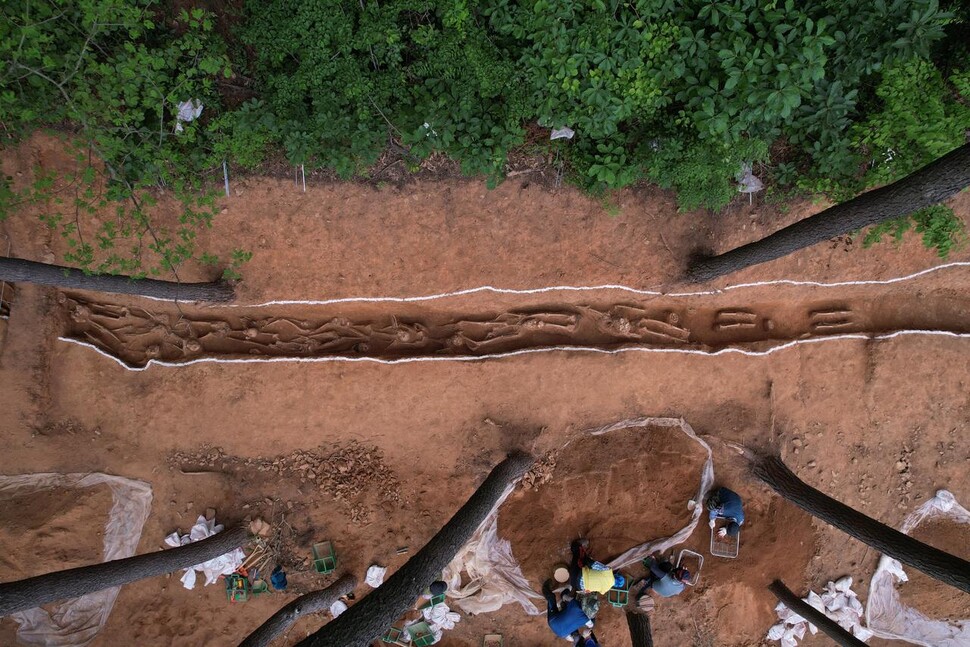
<point x="495" y="576"/>
<point x="663" y="544"/>
<point x="212" y="569"/>
<point x="838" y="601"/>
<point x="748" y="182"/>
<point x="887" y="616"/>
<point x="187" y="111"/>
<point x="75" y="623"/>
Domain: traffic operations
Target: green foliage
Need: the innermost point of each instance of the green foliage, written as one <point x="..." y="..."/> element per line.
<point x="117" y="71"/>
<point x="701" y="171"/>
<point x="919" y="120"/>
<point x="939" y="227"/>
<point x="340" y="77"/>
<point x="680" y="92"/>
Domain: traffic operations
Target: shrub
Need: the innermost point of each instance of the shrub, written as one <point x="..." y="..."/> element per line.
<point x="939" y="227"/>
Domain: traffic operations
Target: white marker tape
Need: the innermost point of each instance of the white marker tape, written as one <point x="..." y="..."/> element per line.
<point x="527" y="351"/>
<point x="589" y="288"/>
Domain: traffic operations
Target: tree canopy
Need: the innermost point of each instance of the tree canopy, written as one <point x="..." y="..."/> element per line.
<point x="823" y="97"/>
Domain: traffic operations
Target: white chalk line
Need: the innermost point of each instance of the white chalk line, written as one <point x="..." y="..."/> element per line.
<point x="588" y="288"/>
<point x="527" y="351"/>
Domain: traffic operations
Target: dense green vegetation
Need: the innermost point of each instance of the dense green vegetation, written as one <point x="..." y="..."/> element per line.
<point x="825" y="97"/>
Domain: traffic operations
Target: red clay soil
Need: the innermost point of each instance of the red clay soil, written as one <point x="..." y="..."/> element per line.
<point x="629" y="486"/>
<point x="927" y="595"/>
<point x="50" y="530"/>
<point x="39" y="531"/>
<point x="842" y="413"/>
<point x="648" y="474"/>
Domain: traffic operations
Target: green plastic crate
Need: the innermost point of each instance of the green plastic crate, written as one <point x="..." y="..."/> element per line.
<point x="393" y="636"/>
<point x="237" y="588"/>
<point x="421" y="635"/>
<point x="324" y="557"/>
<point x="619" y="596"/>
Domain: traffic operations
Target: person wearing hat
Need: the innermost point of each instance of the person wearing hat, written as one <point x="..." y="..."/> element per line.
<point x="723" y="503"/>
<point x="664" y="579"/>
<point x="589" y="576"/>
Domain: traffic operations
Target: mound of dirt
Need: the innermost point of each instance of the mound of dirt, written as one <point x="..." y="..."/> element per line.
<point x="618" y="490"/>
<point x="927" y="595"/>
<point x="52" y="530"/>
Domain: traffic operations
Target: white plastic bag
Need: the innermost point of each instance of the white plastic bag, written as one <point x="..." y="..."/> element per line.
<point x="375" y="576"/>
<point x="212" y="569"/>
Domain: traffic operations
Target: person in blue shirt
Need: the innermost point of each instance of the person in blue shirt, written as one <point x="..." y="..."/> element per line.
<point x="664" y="579"/>
<point x="567" y="620"/>
<point x="723" y="503"/>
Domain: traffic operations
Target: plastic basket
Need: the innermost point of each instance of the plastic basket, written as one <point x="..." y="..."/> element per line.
<point x="421" y="634"/>
<point x="693" y="562"/>
<point x="619" y="596"/>
<point x="237" y="588"/>
<point x="727" y="546"/>
<point x="393" y="636"/>
<point x="324" y="557"/>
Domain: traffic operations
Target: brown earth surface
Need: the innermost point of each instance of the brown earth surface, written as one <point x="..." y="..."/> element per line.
<point x="929" y="596"/>
<point x="416" y="437"/>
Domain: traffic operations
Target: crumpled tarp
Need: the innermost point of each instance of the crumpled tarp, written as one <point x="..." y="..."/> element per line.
<point x="887" y="616"/>
<point x="838" y="601"/>
<point x="212" y="569"/>
<point x="75" y="623"/>
<point x="495" y="576"/>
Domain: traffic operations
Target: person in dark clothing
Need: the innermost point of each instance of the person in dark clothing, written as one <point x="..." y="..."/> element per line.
<point x="567" y="619"/>
<point x="665" y="579"/>
<point x="723" y="503"/>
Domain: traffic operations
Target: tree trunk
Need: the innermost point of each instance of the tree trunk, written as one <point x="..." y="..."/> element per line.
<point x="314" y="602"/>
<point x="829" y="627"/>
<point x="640" y="633"/>
<point x="930" y="185"/>
<point x="367" y="620"/>
<point x="947" y="568"/>
<point x="75" y="582"/>
<point x="15" y="270"/>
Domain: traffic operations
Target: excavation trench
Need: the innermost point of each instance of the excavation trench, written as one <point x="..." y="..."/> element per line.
<point x="391" y="331"/>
